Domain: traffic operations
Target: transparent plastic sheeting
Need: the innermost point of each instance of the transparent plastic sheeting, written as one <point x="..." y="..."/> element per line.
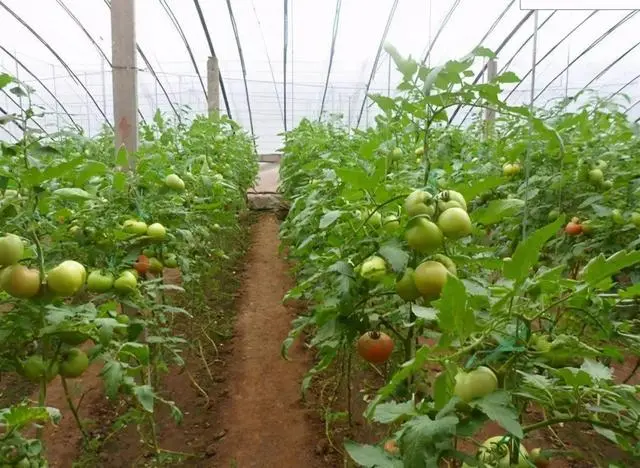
<point x="260" y="25"/>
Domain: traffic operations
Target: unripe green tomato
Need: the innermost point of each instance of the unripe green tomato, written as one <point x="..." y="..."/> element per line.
<point x="635" y="219"/>
<point x="596" y="176"/>
<point x="391" y="223"/>
<point x="406" y="286"/>
<point x="475" y="384"/>
<point x="374" y="268"/>
<point x="617" y="216"/>
<point x="607" y="184"/>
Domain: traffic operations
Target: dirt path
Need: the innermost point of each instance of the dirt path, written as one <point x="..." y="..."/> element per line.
<point x="264" y="416"/>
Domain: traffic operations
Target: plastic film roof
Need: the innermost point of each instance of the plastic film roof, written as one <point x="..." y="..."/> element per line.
<point x="575" y="49"/>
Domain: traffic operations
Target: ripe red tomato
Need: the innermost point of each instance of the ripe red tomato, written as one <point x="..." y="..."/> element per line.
<point x="142" y="264"/>
<point x="375" y="347"/>
<point x="573" y="229"/>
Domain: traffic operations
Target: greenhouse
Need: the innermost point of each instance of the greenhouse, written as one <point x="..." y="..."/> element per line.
<point x="348" y="233"/>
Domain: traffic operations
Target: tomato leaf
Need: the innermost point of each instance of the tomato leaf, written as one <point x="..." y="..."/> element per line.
<point x="5" y="79"/>
<point x="370" y="456"/>
<point x="393" y="253"/>
<point x="454" y="314"/>
<point x="497" y="210"/>
<point x="329" y="218"/>
<point x="600" y="268"/>
<point x="528" y="251"/>
<point x="426" y="313"/>
<point x="596" y="370"/>
<point x="145" y="396"/>
<point x="406" y="369"/>
<point x="497" y="406"/>
<point x="424" y="439"/>
<point x="19" y="416"/>
<point x="112" y="373"/>
<point x="387" y="413"/>
<point x="72" y="194"/>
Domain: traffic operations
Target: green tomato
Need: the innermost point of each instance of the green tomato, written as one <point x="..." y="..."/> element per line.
<point x="11" y="249"/>
<point x="430" y="277"/>
<point x="607" y="184"/>
<point x="475" y="384"/>
<point x="419" y="202"/>
<point x="455" y="223"/>
<point x="396" y="154"/>
<point x="375" y="220"/>
<point x="67" y="278"/>
<point x="134" y="227"/>
<point x="174" y="182"/>
<point x="419" y="151"/>
<point x="72" y="337"/>
<point x="553" y="215"/>
<point x="447" y="196"/>
<point x="171" y="261"/>
<point x="406" y="286"/>
<point x="35" y="369"/>
<point x="447" y="262"/>
<point x="126" y="282"/>
<point x="374" y="268"/>
<point x="596" y="176"/>
<point x="617" y="216"/>
<point x="74" y="363"/>
<point x="21" y="281"/>
<point x="157" y="231"/>
<point x="155" y="265"/>
<point x="496" y="452"/>
<point x="391" y="224"/>
<point x="635" y="219"/>
<point x="423" y="236"/>
<point x="97" y="282"/>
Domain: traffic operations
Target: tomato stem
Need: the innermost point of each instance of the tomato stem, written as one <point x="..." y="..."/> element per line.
<point x="73" y="408"/>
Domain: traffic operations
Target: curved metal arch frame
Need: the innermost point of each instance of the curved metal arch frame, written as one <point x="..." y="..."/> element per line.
<point x="93" y="41"/>
<point x="236" y="33"/>
<point x="586" y="50"/>
<point x="59" y="58"/>
<point x="500" y="47"/>
<point x="332" y="50"/>
<point x="375" y="62"/>
<point x="41" y="83"/>
<point x="178" y="26"/>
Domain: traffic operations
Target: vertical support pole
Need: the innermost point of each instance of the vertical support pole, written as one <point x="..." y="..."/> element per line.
<point x="490" y="114"/>
<point x="566" y="78"/>
<point x="389" y="76"/>
<point x="213" y="86"/>
<point x="125" y="78"/>
<point x="55" y="91"/>
<point x="349" y="113"/>
<point x="15" y="53"/>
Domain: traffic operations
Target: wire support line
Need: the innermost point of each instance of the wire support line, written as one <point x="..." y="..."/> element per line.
<point x="285" y="45"/>
<point x="52" y="94"/>
<point x="336" y="23"/>
<point x="234" y="25"/>
<point x="497" y="51"/>
<point x="266" y="52"/>
<point x="178" y="26"/>
<point x="375" y="62"/>
<point x="508" y="63"/>
<point x="17" y="104"/>
<point x="550" y="51"/>
<point x="205" y="28"/>
<point x="439" y="31"/>
<point x="59" y="58"/>
<point x="586" y="50"/>
<point x="100" y="50"/>
<point x="16" y="123"/>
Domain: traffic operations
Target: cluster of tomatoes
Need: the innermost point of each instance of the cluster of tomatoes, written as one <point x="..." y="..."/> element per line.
<point x="432" y="219"/>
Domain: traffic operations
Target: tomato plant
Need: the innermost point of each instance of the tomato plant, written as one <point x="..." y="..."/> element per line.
<point x="487" y="264"/>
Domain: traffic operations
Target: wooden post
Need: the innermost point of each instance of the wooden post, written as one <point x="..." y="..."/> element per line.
<point x="213" y="86"/>
<point x="125" y="78"/>
<point x="490" y="114"/>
